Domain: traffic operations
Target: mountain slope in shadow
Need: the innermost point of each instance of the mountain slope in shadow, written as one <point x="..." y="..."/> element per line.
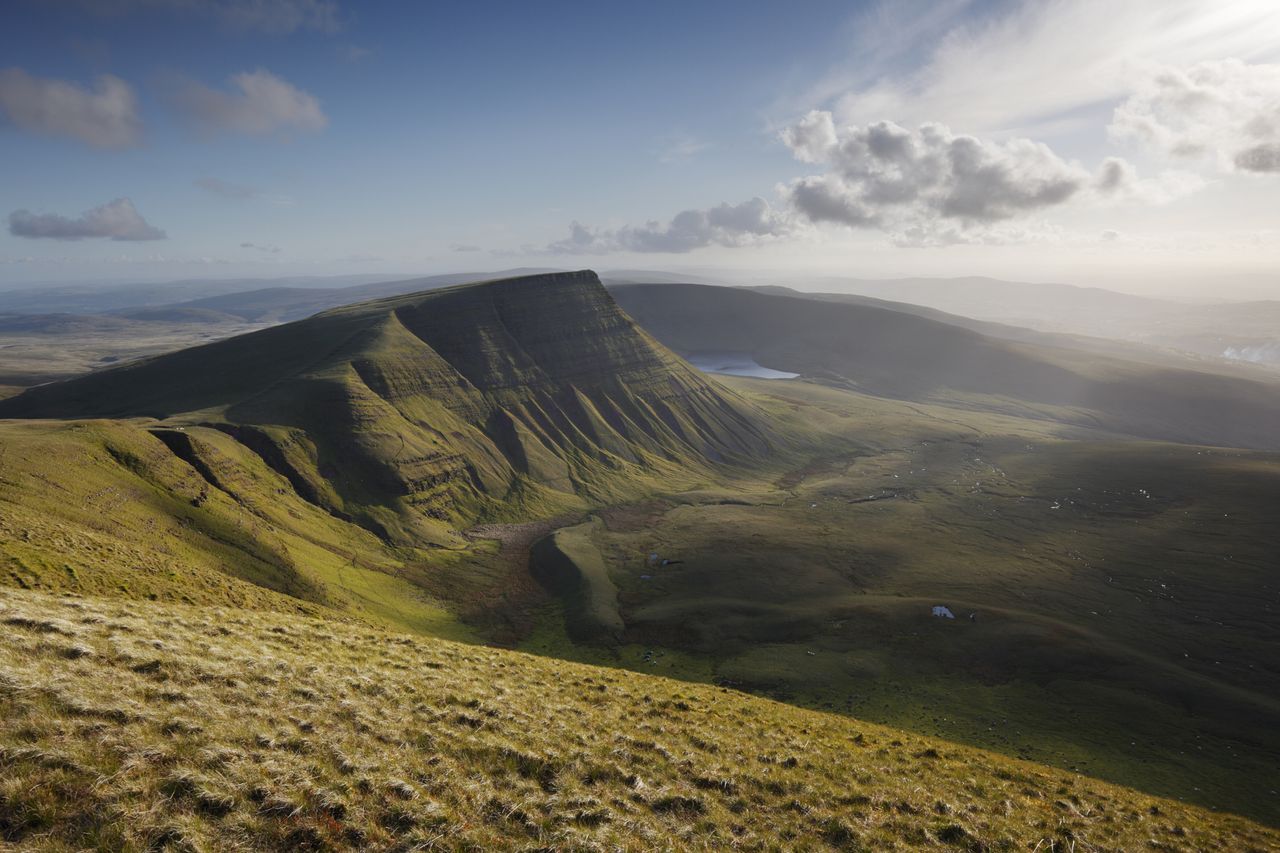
<point x="897" y="354"/>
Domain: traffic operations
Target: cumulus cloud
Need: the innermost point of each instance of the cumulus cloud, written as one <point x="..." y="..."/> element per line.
<point x="115" y="220"/>
<point x="927" y="180"/>
<point x="1227" y="110"/>
<point x="260" y="103"/>
<point x="1118" y="180"/>
<point x="266" y="16"/>
<point x="748" y="223"/>
<point x="105" y="116"/>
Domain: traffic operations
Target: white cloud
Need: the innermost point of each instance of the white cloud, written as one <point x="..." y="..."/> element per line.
<point x="928" y="181"/>
<point x="270" y="250"/>
<point x="115" y="220"/>
<point x="1032" y="67"/>
<point x="260" y="104"/>
<point x="748" y="223"/>
<point x="1118" y="180"/>
<point x="1226" y="110"/>
<point x="105" y="117"/>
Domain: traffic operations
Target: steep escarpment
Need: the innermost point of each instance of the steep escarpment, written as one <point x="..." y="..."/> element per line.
<point x="415" y="413"/>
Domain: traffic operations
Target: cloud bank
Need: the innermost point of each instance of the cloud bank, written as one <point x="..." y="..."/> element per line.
<point x="928" y="180"/>
<point x="748" y="223"/>
<point x="105" y="116"/>
<point x="115" y="220"/>
<point x="1226" y="110"/>
<point x="259" y="104"/>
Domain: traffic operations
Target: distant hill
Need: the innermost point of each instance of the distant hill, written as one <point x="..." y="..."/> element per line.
<point x="897" y="354"/>
<point x="1245" y="331"/>
<point x="404" y="412"/>
<point x="283" y="304"/>
<point x="95" y="298"/>
<point x="1151" y="352"/>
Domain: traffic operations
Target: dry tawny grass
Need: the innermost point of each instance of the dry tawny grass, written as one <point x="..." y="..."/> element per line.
<point x="136" y="726"/>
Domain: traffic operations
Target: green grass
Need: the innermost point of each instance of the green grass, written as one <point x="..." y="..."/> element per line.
<point x="134" y="725"/>
<point x="1146" y="595"/>
<point x="106" y="508"/>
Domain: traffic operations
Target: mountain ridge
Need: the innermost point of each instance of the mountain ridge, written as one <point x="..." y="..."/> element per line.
<point x="910" y="356"/>
<point x="438" y="404"/>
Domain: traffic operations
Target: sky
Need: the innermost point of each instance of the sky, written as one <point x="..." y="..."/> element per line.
<point x="1134" y="145"/>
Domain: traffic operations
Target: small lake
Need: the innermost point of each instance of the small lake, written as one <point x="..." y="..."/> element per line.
<point x="735" y="364"/>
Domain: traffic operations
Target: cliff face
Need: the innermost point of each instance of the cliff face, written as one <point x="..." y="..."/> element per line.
<point x="442" y="405"/>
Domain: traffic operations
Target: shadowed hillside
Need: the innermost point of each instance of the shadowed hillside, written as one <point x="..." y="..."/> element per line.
<point x="895" y="354"/>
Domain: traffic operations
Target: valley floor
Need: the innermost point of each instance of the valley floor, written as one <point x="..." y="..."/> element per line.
<point x="1122" y="592"/>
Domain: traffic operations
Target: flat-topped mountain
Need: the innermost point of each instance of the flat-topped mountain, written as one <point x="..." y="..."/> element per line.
<point x="437" y="405"/>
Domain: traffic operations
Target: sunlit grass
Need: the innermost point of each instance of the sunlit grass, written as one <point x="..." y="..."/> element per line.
<point x="132" y="725"/>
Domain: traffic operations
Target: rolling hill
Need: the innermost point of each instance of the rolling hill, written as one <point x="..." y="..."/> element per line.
<point x="1152" y="352"/>
<point x="1244" y="331"/>
<point x="896" y="354"/>
<point x="38" y="348"/>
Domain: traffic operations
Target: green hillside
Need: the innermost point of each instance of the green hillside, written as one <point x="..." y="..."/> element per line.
<point x="415" y="415"/>
<point x="1123" y="592"/>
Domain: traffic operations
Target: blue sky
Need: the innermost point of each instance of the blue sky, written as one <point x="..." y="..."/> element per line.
<point x="279" y="137"/>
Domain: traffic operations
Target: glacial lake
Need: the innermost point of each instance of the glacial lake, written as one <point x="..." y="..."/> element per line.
<point x="735" y="364"/>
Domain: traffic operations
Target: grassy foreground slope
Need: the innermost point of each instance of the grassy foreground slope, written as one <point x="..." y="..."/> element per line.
<point x="133" y="725"/>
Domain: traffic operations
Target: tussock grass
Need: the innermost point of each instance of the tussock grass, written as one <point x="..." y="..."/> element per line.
<point x="175" y="727"/>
